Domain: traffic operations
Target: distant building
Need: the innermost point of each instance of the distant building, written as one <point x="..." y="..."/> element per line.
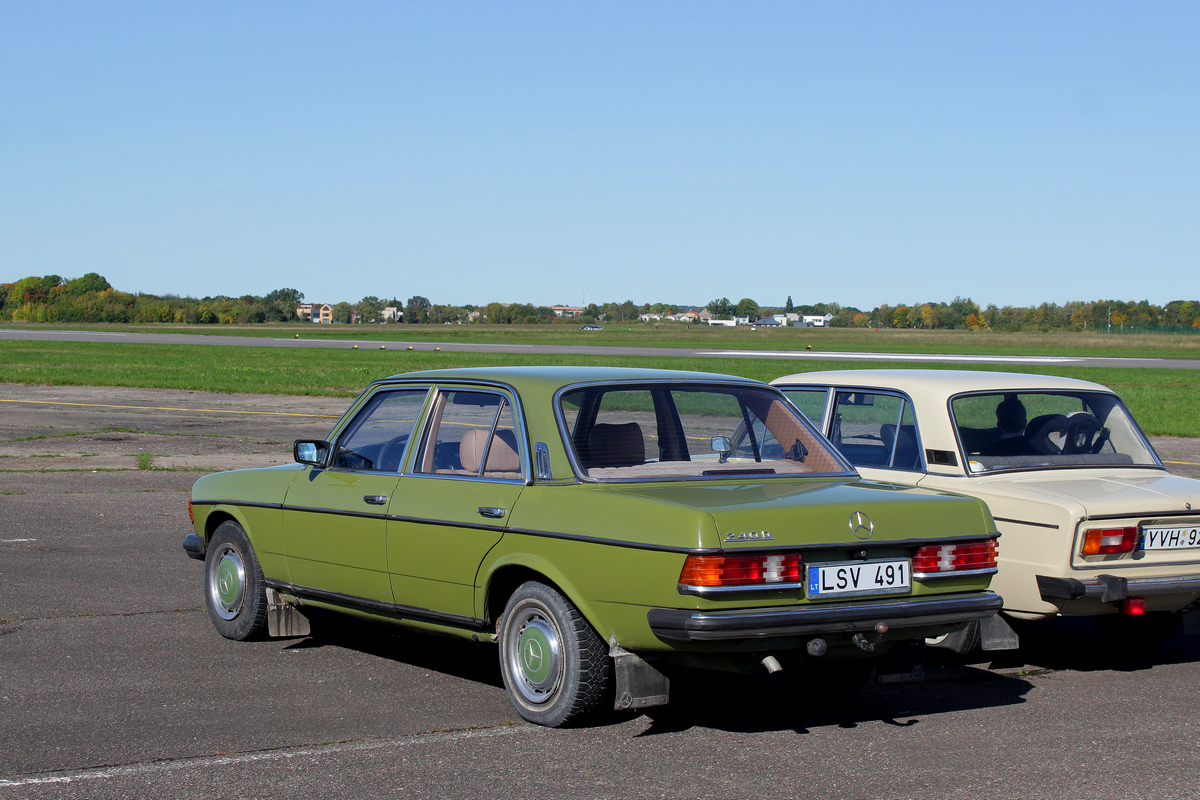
<point x="567" y="311"/>
<point x="392" y="314"/>
<point x="316" y="312"/>
<point x="768" y="322"/>
<point x="813" y="321"/>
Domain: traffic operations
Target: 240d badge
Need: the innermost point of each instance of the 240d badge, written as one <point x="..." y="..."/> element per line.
<point x="747" y="536"/>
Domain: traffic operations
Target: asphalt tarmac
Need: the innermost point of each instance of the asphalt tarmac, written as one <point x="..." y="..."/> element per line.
<point x="113" y="683"/>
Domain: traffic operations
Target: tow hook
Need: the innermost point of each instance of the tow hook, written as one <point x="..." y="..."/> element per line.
<point x="861" y="642"/>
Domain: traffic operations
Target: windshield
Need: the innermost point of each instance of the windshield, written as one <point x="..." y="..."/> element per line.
<point x="679" y="431"/>
<point x="1032" y="430"/>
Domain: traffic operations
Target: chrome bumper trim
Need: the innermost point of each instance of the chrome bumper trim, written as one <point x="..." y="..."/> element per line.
<point x="682" y="625"/>
<point x="1114" y="588"/>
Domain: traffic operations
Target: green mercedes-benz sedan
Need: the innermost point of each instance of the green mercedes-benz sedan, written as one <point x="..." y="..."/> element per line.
<point x="602" y="526"/>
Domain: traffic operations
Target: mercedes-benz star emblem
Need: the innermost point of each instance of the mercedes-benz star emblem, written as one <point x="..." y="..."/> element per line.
<point x="861" y="525"/>
<point x="533" y="655"/>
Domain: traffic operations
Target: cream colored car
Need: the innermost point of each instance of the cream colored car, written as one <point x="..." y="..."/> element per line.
<point x="1092" y="523"/>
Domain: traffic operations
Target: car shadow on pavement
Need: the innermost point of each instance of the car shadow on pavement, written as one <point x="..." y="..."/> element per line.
<point x="449" y="656"/>
<point x="1075" y="643"/>
<point x="758" y="702"/>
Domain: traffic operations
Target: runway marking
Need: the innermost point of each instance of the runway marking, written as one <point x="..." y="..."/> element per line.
<point x="825" y="354"/>
<point x="167" y="408"/>
<point x="14" y="541"/>
<point x="1186" y="463"/>
<point x="172" y="765"/>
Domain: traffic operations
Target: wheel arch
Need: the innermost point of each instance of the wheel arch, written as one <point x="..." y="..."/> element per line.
<point x="507" y="574"/>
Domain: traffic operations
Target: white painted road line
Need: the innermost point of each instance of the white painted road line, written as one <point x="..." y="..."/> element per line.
<point x="174" y="765"/>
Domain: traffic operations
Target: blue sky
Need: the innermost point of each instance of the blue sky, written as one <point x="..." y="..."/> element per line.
<point x="470" y="152"/>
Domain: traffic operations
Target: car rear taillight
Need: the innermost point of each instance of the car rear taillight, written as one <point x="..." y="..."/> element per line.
<point x="1103" y="541"/>
<point x="946" y="559"/>
<point x="714" y="571"/>
<point x="191" y="513"/>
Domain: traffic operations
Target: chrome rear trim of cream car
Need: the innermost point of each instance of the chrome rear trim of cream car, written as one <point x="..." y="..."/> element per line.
<point x="1114" y="588"/>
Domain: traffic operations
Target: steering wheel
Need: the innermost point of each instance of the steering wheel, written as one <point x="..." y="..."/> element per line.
<point x="1040" y="430"/>
<point x="392" y="453"/>
<point x="1081" y="434"/>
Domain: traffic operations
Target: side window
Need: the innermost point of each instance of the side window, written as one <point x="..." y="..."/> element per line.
<point x="811" y="403"/>
<point x="868" y="427"/>
<point x="378" y="436"/>
<point x="472" y="434"/>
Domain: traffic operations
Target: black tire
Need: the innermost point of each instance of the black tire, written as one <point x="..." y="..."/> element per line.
<point x="234" y="589"/>
<point x="556" y="668"/>
<point x="963" y="643"/>
<point x="1146" y="631"/>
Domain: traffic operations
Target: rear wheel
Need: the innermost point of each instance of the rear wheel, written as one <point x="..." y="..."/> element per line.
<point x="234" y="588"/>
<point x="1143" y="631"/>
<point x="556" y="667"/>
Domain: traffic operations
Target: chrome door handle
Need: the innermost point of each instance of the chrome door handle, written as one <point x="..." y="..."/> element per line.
<point x="375" y="499"/>
<point x="491" y="511"/>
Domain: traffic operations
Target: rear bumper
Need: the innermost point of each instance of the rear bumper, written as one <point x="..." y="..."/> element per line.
<point x="1115" y="588"/>
<point x="682" y="625"/>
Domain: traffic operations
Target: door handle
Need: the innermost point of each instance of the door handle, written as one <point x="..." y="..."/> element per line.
<point x="375" y="499"/>
<point x="491" y="511"/>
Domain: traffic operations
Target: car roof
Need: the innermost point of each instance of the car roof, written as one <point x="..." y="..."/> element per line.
<point x="543" y="378"/>
<point x="943" y="382"/>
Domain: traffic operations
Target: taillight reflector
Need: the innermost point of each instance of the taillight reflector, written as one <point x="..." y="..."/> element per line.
<point x="191" y="513"/>
<point x="741" y="570"/>
<point x="1103" y="541"/>
<point x="939" y="559"/>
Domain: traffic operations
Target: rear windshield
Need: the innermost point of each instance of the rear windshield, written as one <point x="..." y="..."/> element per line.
<point x="1037" y="430"/>
<point x="680" y="431"/>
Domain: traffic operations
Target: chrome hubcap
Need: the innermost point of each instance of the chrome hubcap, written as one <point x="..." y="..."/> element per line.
<point x="227" y="582"/>
<point x="534" y="654"/>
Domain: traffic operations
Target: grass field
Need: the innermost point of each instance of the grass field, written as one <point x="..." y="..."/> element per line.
<point x="1166" y="402"/>
<point x="962" y="342"/>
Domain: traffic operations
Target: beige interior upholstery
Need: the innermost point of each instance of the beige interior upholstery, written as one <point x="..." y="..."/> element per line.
<point x="503" y="458"/>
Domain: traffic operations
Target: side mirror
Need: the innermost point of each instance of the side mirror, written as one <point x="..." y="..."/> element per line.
<point x="722" y="445"/>
<point x="313" y="452"/>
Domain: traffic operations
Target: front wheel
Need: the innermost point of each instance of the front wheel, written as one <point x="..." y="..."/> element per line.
<point x="234" y="588"/>
<point x="556" y="667"/>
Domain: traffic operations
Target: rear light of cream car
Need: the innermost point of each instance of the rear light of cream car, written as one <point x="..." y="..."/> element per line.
<point x="714" y="573"/>
<point x="1105" y="541"/>
<point x="958" y="558"/>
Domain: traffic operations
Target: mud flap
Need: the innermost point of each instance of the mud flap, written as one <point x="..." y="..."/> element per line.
<point x="996" y="634"/>
<point x="639" y="683"/>
<point x="283" y="618"/>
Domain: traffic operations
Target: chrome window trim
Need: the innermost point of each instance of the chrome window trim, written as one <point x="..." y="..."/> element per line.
<point x="581" y="473"/>
<point x="831" y="405"/>
<point x="965" y="457"/>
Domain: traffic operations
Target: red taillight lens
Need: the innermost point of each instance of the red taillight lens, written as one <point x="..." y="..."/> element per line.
<point x="938" y="559"/>
<point x="191" y="513"/>
<point x="747" y="570"/>
<point x="1102" y="541"/>
<point x="1132" y="606"/>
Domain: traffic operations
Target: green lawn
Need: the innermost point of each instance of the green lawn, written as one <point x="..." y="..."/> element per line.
<point x="1165" y="401"/>
<point x="701" y="336"/>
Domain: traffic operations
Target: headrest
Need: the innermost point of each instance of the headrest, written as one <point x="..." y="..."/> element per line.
<point x="613" y="445"/>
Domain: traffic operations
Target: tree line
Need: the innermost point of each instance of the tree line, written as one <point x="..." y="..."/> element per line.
<point x="91" y="298"/>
